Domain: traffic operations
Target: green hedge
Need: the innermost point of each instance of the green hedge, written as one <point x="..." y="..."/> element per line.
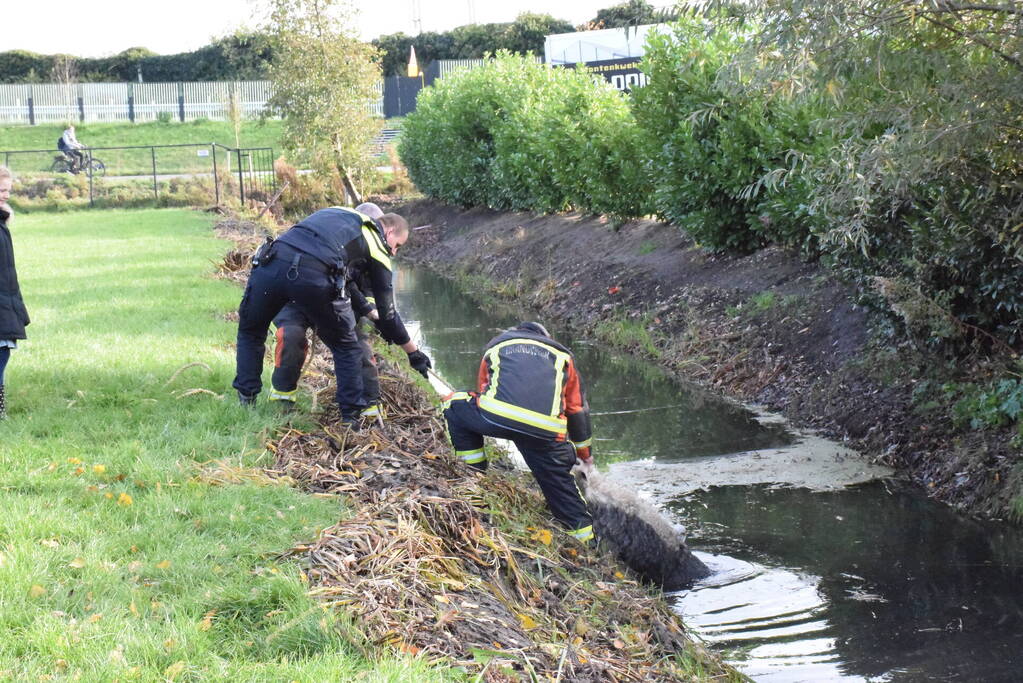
<point x="925" y="219"/>
<point x="515" y="134"/>
<point x="725" y="152"/>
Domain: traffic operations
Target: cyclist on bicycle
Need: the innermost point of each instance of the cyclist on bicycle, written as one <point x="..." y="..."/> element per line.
<point x="69" y="145"/>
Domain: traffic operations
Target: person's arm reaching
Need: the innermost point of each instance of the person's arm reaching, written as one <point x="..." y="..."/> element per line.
<point x="577" y="412"/>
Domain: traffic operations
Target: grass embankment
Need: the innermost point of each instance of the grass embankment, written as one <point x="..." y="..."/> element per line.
<point x="139" y="537"/>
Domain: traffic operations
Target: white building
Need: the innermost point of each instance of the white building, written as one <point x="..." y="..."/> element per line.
<point x="597" y="46"/>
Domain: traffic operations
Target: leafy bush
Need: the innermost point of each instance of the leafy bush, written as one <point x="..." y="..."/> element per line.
<point x="997" y="404"/>
<point x="725" y="152"/>
<point x="515" y="134"/>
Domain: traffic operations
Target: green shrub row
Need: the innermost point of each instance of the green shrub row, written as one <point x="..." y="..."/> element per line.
<point x="741" y="160"/>
<point x="515" y="134"/>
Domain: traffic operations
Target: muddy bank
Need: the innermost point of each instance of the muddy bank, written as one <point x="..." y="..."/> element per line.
<point x="766" y="328"/>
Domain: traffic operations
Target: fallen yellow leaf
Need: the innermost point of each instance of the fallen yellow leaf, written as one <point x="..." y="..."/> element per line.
<point x="124" y="499"/>
<point x="36" y="591"/>
<point x="133" y="609"/>
<point x="74" y="461"/>
<point x="542" y="535"/>
<point x="77" y="563"/>
<point x="52" y="466"/>
<point x="95" y="617"/>
<point x="163" y="565"/>
<point x="174" y="670"/>
<point x="619" y="575"/>
<point x="79" y="471"/>
<point x="170" y="644"/>
<point x="527" y="622"/>
<point x="207" y="621"/>
<point x="108" y="495"/>
<point x="99" y="469"/>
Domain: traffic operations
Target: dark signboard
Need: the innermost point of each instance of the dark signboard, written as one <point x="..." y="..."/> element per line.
<point x="623" y="74"/>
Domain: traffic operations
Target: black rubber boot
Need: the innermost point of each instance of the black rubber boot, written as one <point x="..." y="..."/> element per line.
<point x="246" y="400"/>
<point x="3" y="403"/>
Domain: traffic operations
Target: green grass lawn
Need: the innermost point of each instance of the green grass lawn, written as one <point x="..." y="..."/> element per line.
<point x="44" y="136"/>
<point x="130" y="549"/>
<point x="138" y="161"/>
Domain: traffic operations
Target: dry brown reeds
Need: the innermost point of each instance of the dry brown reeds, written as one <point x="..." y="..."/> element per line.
<point x="463" y="568"/>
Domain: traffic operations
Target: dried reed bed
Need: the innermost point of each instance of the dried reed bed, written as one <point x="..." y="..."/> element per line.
<point x="463" y="568"/>
<point x="442" y="561"/>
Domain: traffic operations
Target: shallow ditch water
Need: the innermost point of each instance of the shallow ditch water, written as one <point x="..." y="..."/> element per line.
<point x="823" y="569"/>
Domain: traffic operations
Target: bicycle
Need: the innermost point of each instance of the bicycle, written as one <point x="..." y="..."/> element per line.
<point x="92" y="166"/>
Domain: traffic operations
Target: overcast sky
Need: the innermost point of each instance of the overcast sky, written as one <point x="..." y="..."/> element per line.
<point x="95" y="28"/>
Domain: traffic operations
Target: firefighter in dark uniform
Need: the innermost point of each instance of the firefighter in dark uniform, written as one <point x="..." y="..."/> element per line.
<point x="292" y="347"/>
<point x="309" y="265"/>
<point x="529" y="393"/>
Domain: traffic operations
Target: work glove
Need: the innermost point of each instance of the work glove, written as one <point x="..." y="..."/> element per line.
<point x="583" y="454"/>
<point x="420" y="362"/>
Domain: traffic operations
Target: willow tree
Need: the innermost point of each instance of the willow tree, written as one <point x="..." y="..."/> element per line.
<point x="325" y="83"/>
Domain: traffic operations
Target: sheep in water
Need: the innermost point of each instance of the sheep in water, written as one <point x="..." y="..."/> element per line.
<point x="639" y="534"/>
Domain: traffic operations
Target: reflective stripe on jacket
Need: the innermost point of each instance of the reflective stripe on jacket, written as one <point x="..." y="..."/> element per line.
<point x="529" y="383"/>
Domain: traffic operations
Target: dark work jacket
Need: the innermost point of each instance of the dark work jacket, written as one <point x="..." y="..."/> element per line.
<point x="343" y="238"/>
<point x="528" y="383"/>
<point x="13" y="315"/>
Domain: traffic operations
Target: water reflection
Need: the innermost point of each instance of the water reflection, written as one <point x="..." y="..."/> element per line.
<point x="866" y="583"/>
<point x="638" y="411"/>
<point x="861" y="584"/>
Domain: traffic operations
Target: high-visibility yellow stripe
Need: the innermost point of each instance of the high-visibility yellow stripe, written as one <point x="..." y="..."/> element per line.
<point x="550" y="422"/>
<point x="559" y="373"/>
<point x="276" y="395"/>
<point x="457" y="396"/>
<point x="472" y="457"/>
<point x="372" y="411"/>
<point x="584" y="534"/>
<point x="377" y="249"/>
<point x="582" y="444"/>
<point x="529" y="417"/>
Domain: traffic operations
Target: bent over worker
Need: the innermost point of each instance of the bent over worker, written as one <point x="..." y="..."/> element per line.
<point x="292" y="346"/>
<point x="529" y="393"/>
<point x="309" y="265"/>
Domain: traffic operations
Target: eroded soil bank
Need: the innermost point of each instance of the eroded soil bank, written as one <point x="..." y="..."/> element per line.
<point x="767" y="328"/>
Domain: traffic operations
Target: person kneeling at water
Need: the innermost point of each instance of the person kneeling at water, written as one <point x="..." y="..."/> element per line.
<point x="529" y="393"/>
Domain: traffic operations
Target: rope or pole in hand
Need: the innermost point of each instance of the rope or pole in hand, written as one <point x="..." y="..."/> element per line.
<point x="273" y="200"/>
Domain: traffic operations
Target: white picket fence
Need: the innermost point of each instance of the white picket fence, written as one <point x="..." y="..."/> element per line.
<point x="54" y="103"/>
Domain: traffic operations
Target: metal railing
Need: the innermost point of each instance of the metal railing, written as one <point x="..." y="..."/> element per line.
<point x="247" y="172"/>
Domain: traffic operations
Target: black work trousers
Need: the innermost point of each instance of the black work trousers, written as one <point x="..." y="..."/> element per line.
<point x="298" y="278"/>
<point x="550" y="461"/>
<point x="292" y="348"/>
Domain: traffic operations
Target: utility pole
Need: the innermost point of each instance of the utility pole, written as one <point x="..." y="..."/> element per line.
<point x="417" y="16"/>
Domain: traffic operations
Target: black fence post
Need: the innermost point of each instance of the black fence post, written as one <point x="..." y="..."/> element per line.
<point x="216" y="178"/>
<point x="131" y="103"/>
<point x="181" y="102"/>
<point x="90" y="171"/>
<point x="81" y="104"/>
<point x="156" y="192"/>
<point x="241" y="178"/>
<point x="31" y="108"/>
